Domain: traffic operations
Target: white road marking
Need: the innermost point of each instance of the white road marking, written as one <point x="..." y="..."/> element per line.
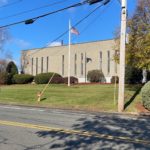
<point x="22" y="108"/>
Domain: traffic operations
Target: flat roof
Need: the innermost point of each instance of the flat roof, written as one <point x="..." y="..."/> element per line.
<point x="67" y="44"/>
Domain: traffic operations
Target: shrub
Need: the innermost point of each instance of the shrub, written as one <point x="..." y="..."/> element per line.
<point x="146" y="95"/>
<point x="96" y="76"/>
<point x="57" y="80"/>
<point x="43" y="78"/>
<point x="23" y="78"/>
<point x="133" y="75"/>
<point x="5" y="78"/>
<point x="72" y="80"/>
<point x="114" y="78"/>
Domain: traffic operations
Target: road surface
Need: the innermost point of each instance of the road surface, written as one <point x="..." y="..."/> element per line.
<point x="27" y="128"/>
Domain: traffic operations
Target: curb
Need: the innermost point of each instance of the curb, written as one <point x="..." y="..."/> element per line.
<point x="83" y="111"/>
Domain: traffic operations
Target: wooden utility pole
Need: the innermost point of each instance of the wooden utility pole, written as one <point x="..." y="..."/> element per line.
<point x="85" y="66"/>
<point x="122" y="56"/>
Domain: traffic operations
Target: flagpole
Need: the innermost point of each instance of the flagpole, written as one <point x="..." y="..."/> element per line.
<point x="69" y="44"/>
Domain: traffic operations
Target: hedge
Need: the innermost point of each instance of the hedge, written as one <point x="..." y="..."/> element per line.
<point x="72" y="80"/>
<point x="96" y="76"/>
<point x="114" y="79"/>
<point x="5" y="78"/>
<point x="57" y="80"/>
<point x="22" y="78"/>
<point x="145" y="92"/>
<point x="43" y="78"/>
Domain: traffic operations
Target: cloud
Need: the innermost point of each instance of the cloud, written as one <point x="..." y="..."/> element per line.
<point x="3" y="2"/>
<point x="6" y="54"/>
<point x="54" y="44"/>
<point x="72" y="11"/>
<point x="21" y="43"/>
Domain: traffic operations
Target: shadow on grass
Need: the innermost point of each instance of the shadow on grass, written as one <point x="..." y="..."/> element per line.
<point x="44" y="98"/>
<point x="133" y="97"/>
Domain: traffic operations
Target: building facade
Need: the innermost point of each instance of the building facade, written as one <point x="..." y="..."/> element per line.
<point x="84" y="57"/>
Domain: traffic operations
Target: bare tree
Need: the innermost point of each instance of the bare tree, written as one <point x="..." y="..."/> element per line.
<point x="3" y="65"/>
<point x="4" y="37"/>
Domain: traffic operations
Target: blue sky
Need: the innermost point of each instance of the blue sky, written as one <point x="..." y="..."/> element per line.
<point x="99" y="26"/>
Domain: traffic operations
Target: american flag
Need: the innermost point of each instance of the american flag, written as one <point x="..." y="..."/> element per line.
<point x="74" y="31"/>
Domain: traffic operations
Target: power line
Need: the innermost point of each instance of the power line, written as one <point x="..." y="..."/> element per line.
<point x="31" y="10"/>
<point x="76" y="24"/>
<point x="10" y="4"/>
<point x="44" y="15"/>
<point x="31" y="20"/>
<point x="93" y="20"/>
<point x="80" y="21"/>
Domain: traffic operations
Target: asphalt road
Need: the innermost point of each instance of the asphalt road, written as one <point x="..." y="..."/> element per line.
<point x="27" y="128"/>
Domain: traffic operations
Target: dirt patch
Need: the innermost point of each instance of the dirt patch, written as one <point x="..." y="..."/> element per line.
<point x="141" y="108"/>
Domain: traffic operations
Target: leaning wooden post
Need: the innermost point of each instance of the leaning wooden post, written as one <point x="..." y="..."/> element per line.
<point x="39" y="94"/>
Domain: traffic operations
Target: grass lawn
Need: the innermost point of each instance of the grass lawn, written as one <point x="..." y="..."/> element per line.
<point x="83" y="97"/>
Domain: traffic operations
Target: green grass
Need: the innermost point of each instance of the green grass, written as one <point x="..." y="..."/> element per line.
<point x="82" y="97"/>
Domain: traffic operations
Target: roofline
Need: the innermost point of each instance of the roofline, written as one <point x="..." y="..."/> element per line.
<point x="71" y="44"/>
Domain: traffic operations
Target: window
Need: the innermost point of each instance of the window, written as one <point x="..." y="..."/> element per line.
<point x="36" y="65"/>
<point x="41" y="64"/>
<point x="32" y="61"/>
<point x="108" y="62"/>
<point x="100" y="60"/>
<point x="75" y="64"/>
<point x="81" y="63"/>
<point x="63" y="65"/>
<point x="47" y="63"/>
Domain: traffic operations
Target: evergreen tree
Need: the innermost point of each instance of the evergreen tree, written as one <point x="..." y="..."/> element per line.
<point x="12" y="68"/>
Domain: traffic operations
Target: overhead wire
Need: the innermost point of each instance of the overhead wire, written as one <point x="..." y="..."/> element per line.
<point x="32" y="10"/>
<point x="47" y="14"/>
<point x="75" y="25"/>
<point x="84" y="29"/>
<point x="74" y="5"/>
<point x="94" y="20"/>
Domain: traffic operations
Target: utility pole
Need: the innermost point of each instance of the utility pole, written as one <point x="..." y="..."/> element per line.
<point x="122" y="56"/>
<point x="85" y="66"/>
